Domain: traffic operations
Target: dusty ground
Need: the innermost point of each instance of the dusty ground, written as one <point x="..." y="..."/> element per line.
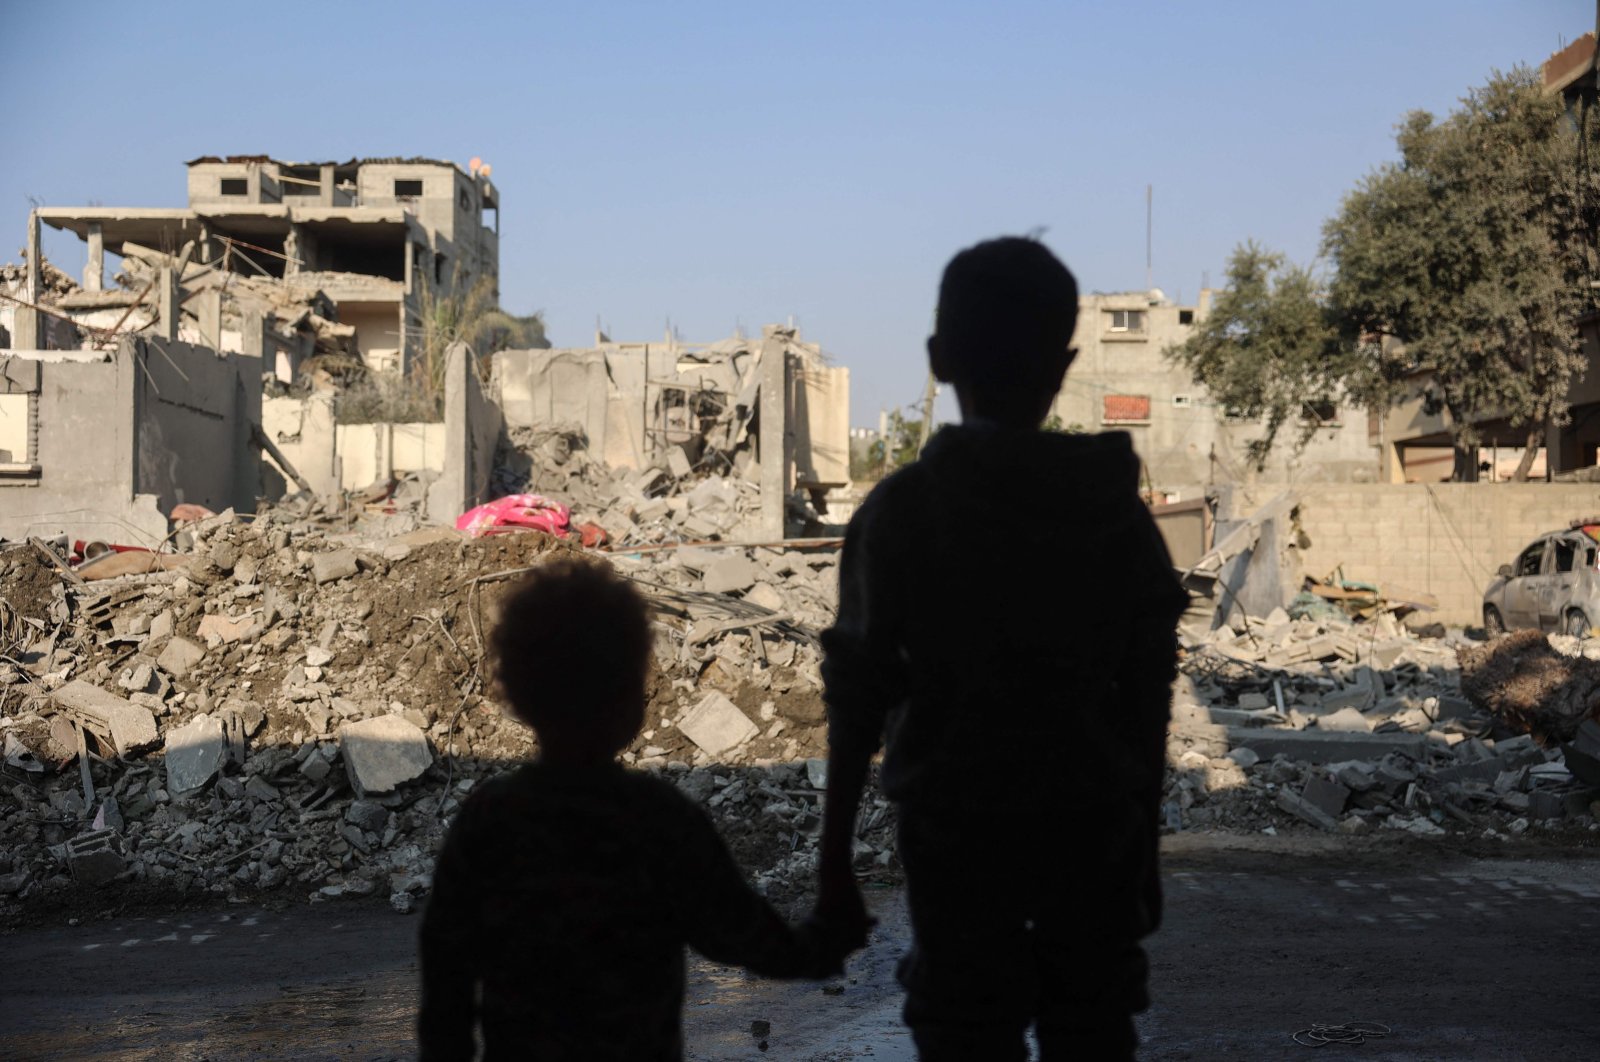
<point x="1462" y="956"/>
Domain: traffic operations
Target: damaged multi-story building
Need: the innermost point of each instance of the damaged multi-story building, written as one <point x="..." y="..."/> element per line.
<point x="1189" y="442"/>
<point x="371" y="240"/>
<point x="121" y="401"/>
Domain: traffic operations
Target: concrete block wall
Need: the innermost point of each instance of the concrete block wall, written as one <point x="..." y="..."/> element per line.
<point x="1446" y="539"/>
<point x="122" y="437"/>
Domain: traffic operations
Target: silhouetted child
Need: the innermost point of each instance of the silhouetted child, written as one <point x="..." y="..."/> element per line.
<point x="567" y="890"/>
<point x="1006" y="630"/>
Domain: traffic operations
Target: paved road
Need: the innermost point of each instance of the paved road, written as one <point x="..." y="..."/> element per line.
<point x="1463" y="958"/>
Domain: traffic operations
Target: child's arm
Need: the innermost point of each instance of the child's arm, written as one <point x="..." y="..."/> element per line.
<point x="449" y="982"/>
<point x="727" y="921"/>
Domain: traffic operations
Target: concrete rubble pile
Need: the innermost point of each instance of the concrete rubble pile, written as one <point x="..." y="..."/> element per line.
<point x="302" y="317"/>
<point x="294" y="706"/>
<point x="1350" y="727"/>
<point x="672" y="501"/>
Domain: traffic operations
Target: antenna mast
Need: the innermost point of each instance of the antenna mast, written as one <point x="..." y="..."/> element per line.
<point x="1149" y="215"/>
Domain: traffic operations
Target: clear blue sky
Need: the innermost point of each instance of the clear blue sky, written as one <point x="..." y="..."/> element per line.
<point x="716" y="164"/>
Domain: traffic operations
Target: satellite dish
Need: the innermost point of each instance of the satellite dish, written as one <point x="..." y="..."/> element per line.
<point x="1157" y="295"/>
<point x="475" y="165"/>
<point x="483" y="171"/>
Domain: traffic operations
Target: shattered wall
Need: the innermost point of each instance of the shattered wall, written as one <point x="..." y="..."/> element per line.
<point x="121" y="437"/>
<point x="337" y="457"/>
<point x="636" y="401"/>
<point x="820" y="415"/>
<point x="1445" y="539"/>
<point x="193" y="411"/>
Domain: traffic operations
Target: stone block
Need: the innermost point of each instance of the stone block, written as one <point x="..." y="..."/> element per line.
<point x="96" y="857"/>
<point x="180" y="657"/>
<point x="678" y="463"/>
<point x="195" y="752"/>
<point x="716" y="724"/>
<point x="1323" y="746"/>
<point x="217" y="629"/>
<point x="338" y="564"/>
<point x="1326" y="795"/>
<point x="383" y="754"/>
<point x="130" y="727"/>
<point x="1547" y="804"/>
<point x="1245" y="758"/>
<point x="367" y="815"/>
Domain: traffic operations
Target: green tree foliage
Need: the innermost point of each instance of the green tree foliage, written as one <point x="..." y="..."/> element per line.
<point x="1473" y="251"/>
<point x="1267" y="350"/>
<point x="469" y="314"/>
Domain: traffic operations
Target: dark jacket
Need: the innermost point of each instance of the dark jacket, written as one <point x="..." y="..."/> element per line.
<point x="1006" y="624"/>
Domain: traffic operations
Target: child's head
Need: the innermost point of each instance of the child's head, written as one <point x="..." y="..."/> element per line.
<point x="570" y="653"/>
<point x="1003" y="334"/>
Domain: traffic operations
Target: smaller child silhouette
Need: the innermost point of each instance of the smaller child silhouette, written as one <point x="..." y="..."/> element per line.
<point x="567" y="890"/>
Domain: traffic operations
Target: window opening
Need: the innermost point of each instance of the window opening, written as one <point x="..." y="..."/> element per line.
<point x="407" y="188"/>
<point x="1528" y="563"/>
<point x="235" y="186"/>
<point x="1126" y="321"/>
<point x="1125" y="409"/>
<point x="1566" y="553"/>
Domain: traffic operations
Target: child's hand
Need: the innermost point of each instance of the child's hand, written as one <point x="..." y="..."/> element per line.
<point x="830" y="943"/>
<point x="839" y="924"/>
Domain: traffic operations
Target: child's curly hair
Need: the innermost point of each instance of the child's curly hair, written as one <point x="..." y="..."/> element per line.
<point x="572" y="638"/>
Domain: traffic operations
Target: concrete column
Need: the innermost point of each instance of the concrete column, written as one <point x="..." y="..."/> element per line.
<point x="208" y="308"/>
<point x="33" y="284"/>
<point x="205" y="244"/>
<point x="29" y="325"/>
<point x="774" y="409"/>
<point x="294" y="248"/>
<point x="167" y="304"/>
<point x="94" y="273"/>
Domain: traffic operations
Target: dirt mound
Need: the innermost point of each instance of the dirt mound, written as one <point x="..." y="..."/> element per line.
<point x="1530" y="686"/>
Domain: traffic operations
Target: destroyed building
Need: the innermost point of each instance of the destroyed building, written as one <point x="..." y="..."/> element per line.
<point x="1122" y="380"/>
<point x="372" y="239"/>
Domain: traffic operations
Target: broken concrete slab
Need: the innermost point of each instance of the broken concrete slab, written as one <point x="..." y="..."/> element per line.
<point x="1346" y="721"/>
<point x="195" y="753"/>
<point x="731" y="573"/>
<point x="1303" y="809"/>
<point x="334" y="565"/>
<point x="180" y="657"/>
<point x="1325" y="746"/>
<point x="384" y="753"/>
<point x="716" y="724"/>
<point x="130" y="727"/>
<point x="767" y="597"/>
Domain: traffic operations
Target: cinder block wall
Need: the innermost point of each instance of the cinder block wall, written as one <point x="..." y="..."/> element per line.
<point x="1446" y="539"/>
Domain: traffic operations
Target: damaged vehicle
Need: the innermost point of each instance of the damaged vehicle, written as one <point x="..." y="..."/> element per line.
<point x="1553" y="585"/>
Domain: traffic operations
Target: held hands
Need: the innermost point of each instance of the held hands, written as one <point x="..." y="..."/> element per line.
<point x="839" y="924"/>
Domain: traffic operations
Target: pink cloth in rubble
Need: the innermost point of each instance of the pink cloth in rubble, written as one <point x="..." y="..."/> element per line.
<point x="516" y="510"/>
